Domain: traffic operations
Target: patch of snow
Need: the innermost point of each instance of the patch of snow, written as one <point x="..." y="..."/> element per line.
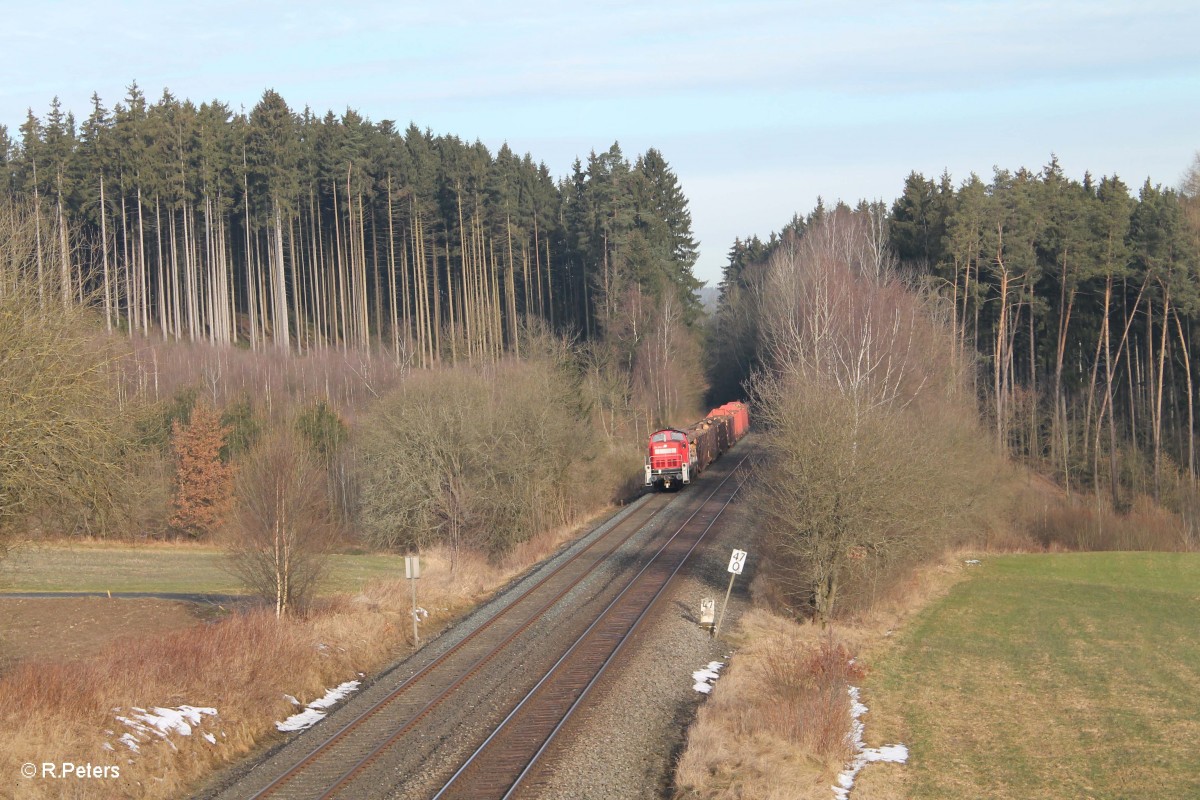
<point x="210" y="738"/>
<point x="335" y="694"/>
<point x="703" y="679"/>
<point x="177" y="720"/>
<point x="298" y="722"/>
<point x="420" y="613"/>
<point x="291" y="700"/>
<point x="892" y="753"/>
<point x="895" y="753"/>
<point x="162" y="722"/>
<point x="314" y="713"/>
<point x="972" y="562"/>
<point x="107" y="746"/>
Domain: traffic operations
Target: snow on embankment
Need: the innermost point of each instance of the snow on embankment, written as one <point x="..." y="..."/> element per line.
<point x="704" y="679"/>
<point x="161" y="722"/>
<point x="895" y="753"/>
<point x="316" y="710"/>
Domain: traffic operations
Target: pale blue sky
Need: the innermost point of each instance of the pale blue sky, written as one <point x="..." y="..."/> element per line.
<point x="759" y="107"/>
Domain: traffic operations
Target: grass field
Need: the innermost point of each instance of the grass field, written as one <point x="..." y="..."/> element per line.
<point x="1063" y="675"/>
<point x="168" y="568"/>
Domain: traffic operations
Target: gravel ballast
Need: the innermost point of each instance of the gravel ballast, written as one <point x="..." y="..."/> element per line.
<point x="624" y="744"/>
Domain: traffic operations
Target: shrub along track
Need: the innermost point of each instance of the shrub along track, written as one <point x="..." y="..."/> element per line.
<point x="401" y="738"/>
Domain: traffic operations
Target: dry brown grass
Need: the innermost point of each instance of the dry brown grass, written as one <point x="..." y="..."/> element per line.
<point x="776" y="724"/>
<point x="242" y="666"/>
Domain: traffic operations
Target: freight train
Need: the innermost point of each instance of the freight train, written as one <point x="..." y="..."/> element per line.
<point x="675" y="456"/>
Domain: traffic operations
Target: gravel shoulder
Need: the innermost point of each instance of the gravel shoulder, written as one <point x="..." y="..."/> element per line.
<point x="625" y="743"/>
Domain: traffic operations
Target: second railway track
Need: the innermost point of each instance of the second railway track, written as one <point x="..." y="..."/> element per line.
<point x="511" y="752"/>
<point x="409" y="738"/>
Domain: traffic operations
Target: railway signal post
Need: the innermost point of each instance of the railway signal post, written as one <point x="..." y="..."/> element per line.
<point x="412" y="571"/>
<point x="736" y="562"/>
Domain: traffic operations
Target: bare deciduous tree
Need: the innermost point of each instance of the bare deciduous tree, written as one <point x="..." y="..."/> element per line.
<point x="873" y="444"/>
<point x="479" y="458"/>
<point x="282" y="526"/>
<point x="58" y="423"/>
<point x="1190" y="185"/>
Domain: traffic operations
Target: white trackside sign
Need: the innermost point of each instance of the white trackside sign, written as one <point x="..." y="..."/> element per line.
<point x="737" y="561"/>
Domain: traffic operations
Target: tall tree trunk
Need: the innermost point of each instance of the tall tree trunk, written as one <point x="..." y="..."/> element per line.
<point x="378" y="295"/>
<point x="341" y="324"/>
<point x="251" y="309"/>
<point x="297" y="296"/>
<point x="453" y="327"/>
<point x="143" y="287"/>
<point x="64" y="250"/>
<point x="510" y="290"/>
<point x="1035" y="447"/>
<point x="189" y="290"/>
<point x="37" y="238"/>
<point x="393" y="305"/>
<point x="125" y="263"/>
<point x="1158" y="397"/>
<point x="1000" y="356"/>
<point x="281" y="327"/>
<point x="1191" y="404"/>
<point x="537" y="264"/>
<point x="108" y="305"/>
<point x="160" y="297"/>
<point x="549" y="284"/>
<point x="1062" y="436"/>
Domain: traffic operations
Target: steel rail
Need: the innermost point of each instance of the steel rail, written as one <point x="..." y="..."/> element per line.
<point x="612" y="657"/>
<point x="501" y="729"/>
<point x="314" y="755"/>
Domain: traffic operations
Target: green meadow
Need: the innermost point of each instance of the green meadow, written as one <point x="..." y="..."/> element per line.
<point x="1050" y="676"/>
<point x="169" y="568"/>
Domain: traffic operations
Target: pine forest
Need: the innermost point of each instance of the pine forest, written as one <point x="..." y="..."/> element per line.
<point x="1074" y="305"/>
<point x="282" y="229"/>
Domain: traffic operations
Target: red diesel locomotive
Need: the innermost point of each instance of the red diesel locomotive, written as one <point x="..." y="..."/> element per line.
<point x="676" y="456"/>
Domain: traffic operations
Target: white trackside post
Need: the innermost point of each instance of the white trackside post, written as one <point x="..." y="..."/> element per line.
<point x="736" y="562"/>
<point x="412" y="571"/>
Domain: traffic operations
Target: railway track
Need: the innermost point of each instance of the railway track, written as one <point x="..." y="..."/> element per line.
<point x="499" y="765"/>
<point x="351" y="760"/>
